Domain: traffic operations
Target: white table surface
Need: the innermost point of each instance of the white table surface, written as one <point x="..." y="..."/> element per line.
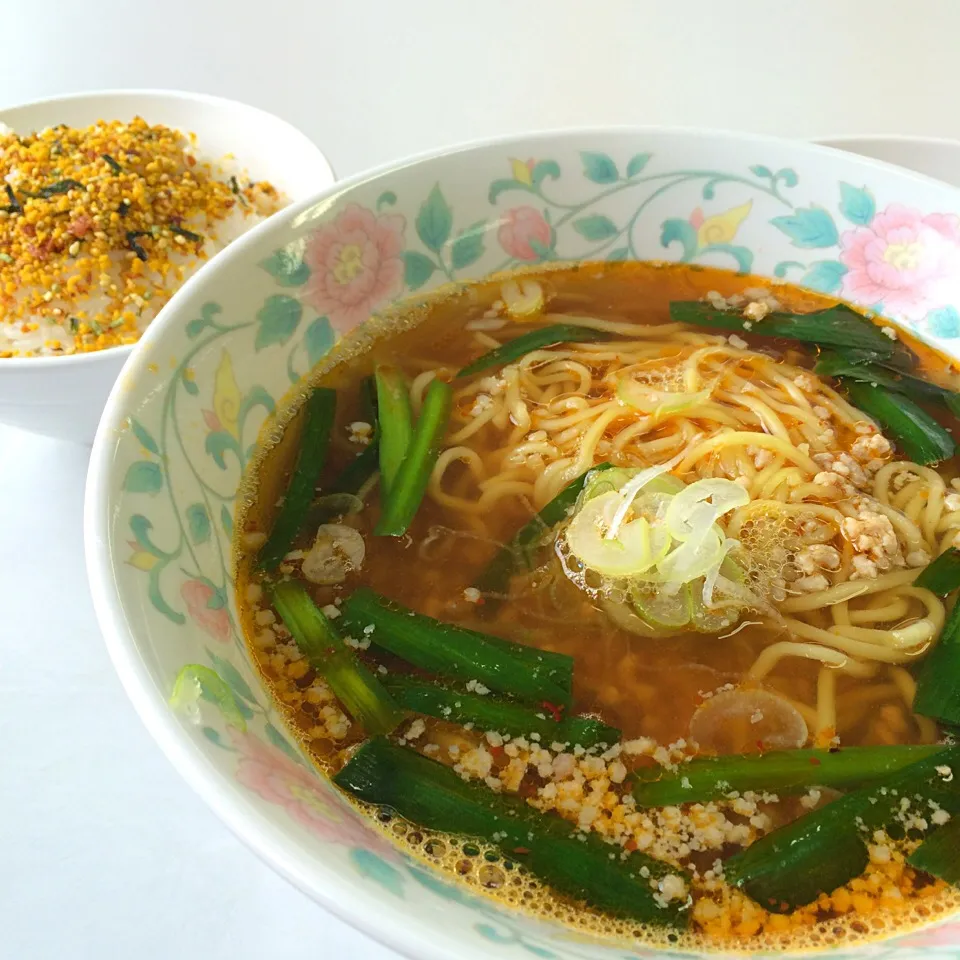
<point x="104" y="851"/>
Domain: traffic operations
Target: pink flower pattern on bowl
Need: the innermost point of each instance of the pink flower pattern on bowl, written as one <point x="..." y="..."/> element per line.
<point x="944" y="935"/>
<point x="904" y="260"/>
<point x="271" y="774"/>
<point x="215" y="620"/>
<point x="355" y="265"/>
<point x="520" y="226"/>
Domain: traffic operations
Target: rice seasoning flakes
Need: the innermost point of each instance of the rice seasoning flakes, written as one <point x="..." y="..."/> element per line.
<point x="100" y="226"/>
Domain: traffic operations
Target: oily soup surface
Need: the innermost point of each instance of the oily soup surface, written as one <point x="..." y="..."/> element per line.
<point x="649" y="688"/>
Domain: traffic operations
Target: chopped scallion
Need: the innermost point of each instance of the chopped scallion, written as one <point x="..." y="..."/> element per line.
<point x="394" y="423"/>
<point x="938" y="678"/>
<point x="581" y="865"/>
<point x="528" y="342"/>
<point x="457" y="653"/>
<point x="837" y="326"/>
<point x="780" y="771"/>
<point x="314" y="443"/>
<point x="917" y="434"/>
<point x="406" y="492"/>
<point x="363" y="696"/>
<point x="826" y="848"/>
<point x="939" y="854"/>
<point x="488" y="712"/>
<point x="359" y="470"/>
<point x="496" y="576"/>
<point x="837" y="365"/>
<point x="943" y="575"/>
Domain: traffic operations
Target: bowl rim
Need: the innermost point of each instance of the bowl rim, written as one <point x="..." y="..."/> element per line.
<point x="119" y="94"/>
<point x="838" y="140"/>
<point x="394" y="927"/>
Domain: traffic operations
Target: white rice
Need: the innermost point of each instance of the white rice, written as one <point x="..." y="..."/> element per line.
<point x="18" y="339"/>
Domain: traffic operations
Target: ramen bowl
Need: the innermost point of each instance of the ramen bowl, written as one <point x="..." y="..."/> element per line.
<point x="180" y="427"/>
<point x="63" y="396"/>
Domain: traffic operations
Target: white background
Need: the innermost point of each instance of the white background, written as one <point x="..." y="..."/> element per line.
<point x="104" y="851"/>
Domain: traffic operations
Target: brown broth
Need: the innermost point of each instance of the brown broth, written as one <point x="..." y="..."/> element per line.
<point x="647" y="688"/>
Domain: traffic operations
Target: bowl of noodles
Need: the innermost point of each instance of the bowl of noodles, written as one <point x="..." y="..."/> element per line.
<point x="550" y="545"/>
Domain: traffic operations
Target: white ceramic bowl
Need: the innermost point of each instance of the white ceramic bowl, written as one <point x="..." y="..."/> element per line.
<point x="64" y="396"/>
<point x="174" y="440"/>
<point x="934" y="156"/>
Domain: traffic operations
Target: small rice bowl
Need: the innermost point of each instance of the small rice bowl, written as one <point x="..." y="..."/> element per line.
<point x="103" y="225"/>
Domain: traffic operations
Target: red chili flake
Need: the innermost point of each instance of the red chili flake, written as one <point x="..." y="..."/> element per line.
<point x="498" y="753"/>
<point x="630" y="845"/>
<point x="554" y="711"/>
<point x="760" y="745"/>
<point x="29" y="229"/>
<point x="521" y="850"/>
<point x="815" y="761"/>
<point x="81" y="225"/>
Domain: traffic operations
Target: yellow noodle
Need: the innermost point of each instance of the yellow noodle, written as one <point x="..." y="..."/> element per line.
<point x="792" y="411"/>
<point x="770" y="421"/>
<point x="587" y="455"/>
<point x="841" y="612"/>
<point x="896" y="609"/>
<point x="553" y="479"/>
<point x="782" y="481"/>
<point x="612" y="326"/>
<point x="485" y="340"/>
<point x="790" y="387"/>
<point x="554" y="413"/>
<point x="475" y="425"/>
<point x="948" y="522"/>
<point x="888" y="639"/>
<point x="712" y="444"/>
<point x="578" y="417"/>
<point x="854" y="704"/>
<point x="811" y="651"/>
<point x="909" y="531"/>
<point x="419" y="387"/>
<point x="855" y="648"/>
<point x="826" y="702"/>
<point x="847" y="591"/>
<point x="807" y="712"/>
<point x="627" y="434"/>
<point x="905" y="684"/>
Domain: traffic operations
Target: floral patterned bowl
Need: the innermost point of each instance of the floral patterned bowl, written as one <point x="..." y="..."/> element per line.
<point x="180" y="428"/>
